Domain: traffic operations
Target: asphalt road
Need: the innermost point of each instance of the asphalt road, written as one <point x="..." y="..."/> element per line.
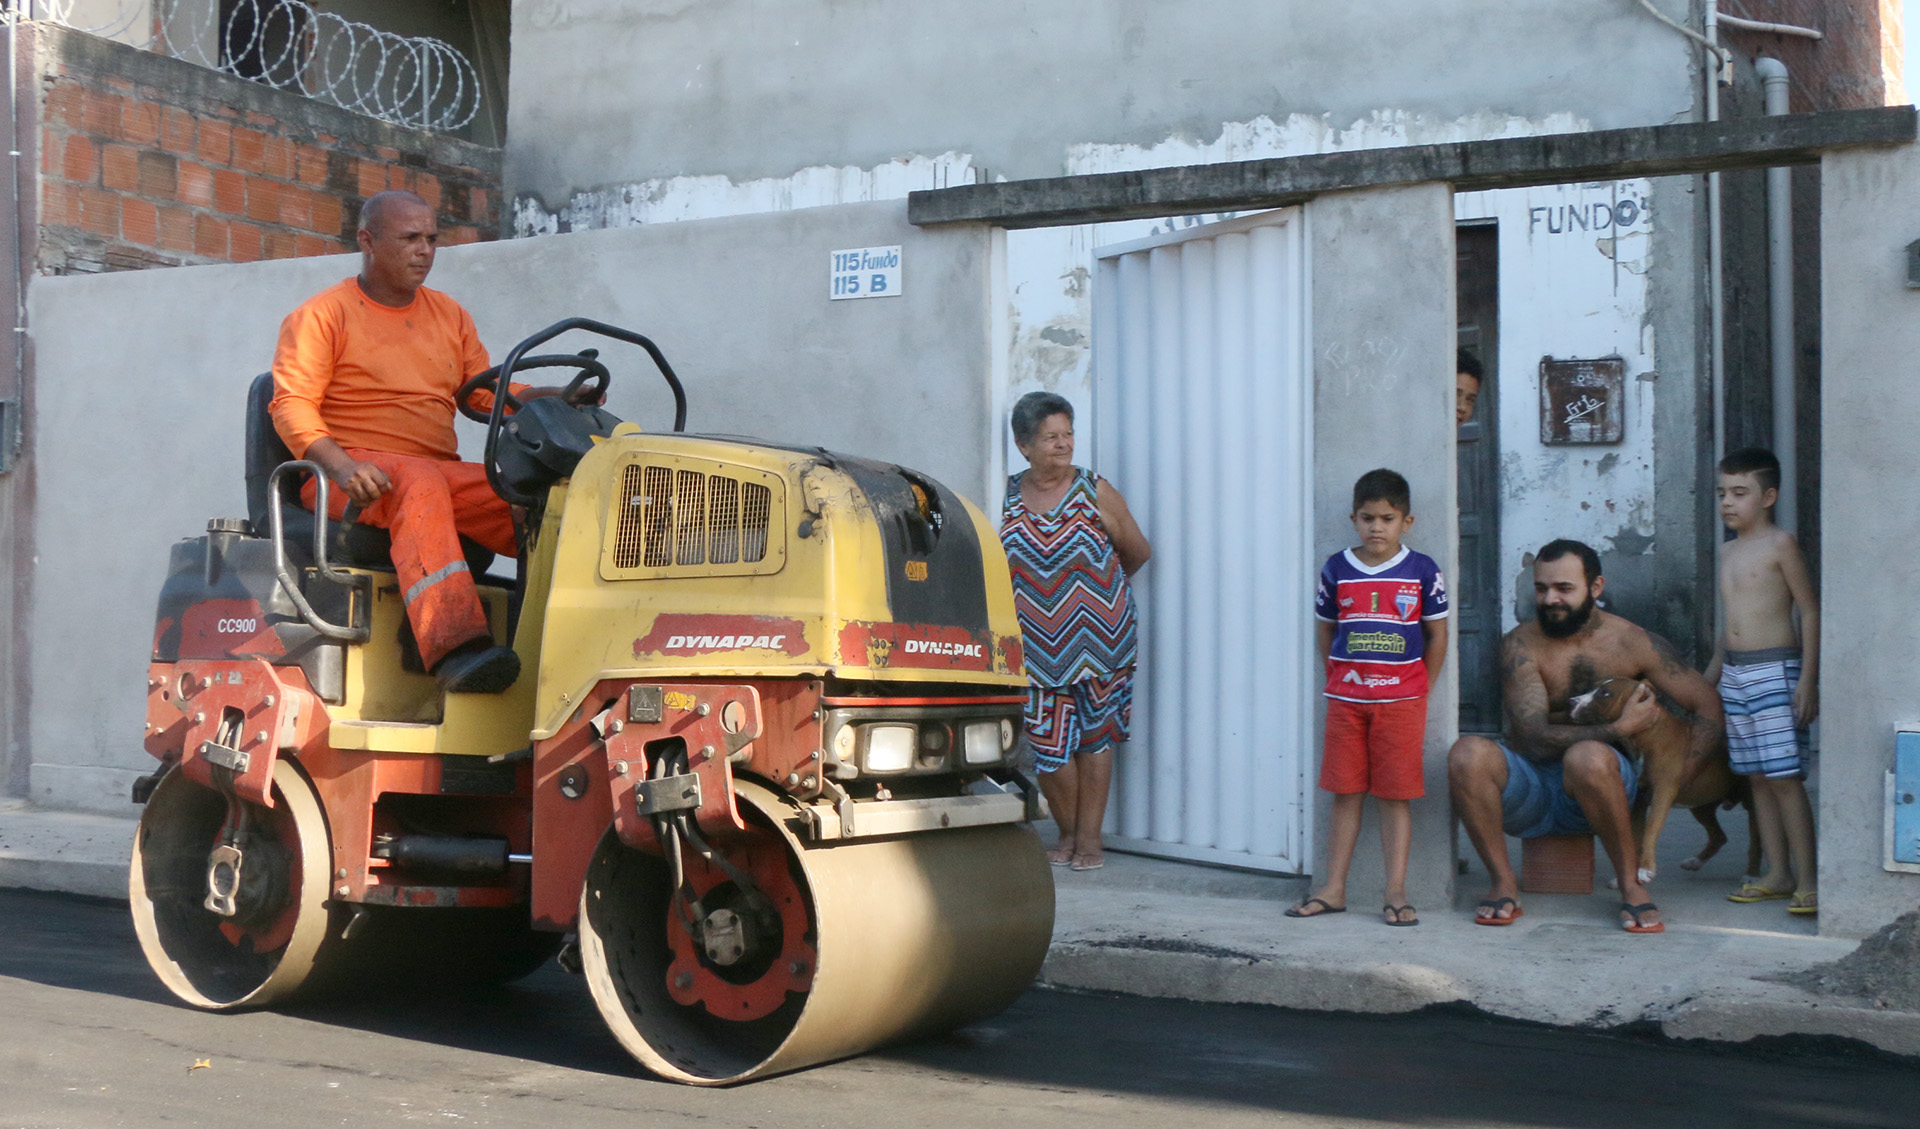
<point x="89" y="1039"/>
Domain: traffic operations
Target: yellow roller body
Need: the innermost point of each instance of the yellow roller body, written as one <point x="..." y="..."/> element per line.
<point x="811" y="572"/>
<point x="914" y="934"/>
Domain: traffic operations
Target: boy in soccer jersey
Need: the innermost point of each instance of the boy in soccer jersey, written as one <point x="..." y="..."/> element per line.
<point x="1767" y="674"/>
<point x="1383" y="635"/>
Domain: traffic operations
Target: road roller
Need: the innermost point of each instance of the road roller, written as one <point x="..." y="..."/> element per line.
<point x="756" y="782"/>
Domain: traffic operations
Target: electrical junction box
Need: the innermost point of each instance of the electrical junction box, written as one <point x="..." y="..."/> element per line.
<point x="1903" y="805"/>
<point x="1582" y="401"/>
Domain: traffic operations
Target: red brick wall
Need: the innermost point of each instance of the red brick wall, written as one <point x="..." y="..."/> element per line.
<point x="146" y="161"/>
<point x="1847" y="69"/>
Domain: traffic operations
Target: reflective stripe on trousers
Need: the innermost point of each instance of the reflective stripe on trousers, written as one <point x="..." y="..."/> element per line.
<point x="430" y="505"/>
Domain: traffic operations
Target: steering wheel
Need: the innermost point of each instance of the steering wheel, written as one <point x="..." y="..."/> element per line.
<point x="588" y="364"/>
<point x="586" y="361"/>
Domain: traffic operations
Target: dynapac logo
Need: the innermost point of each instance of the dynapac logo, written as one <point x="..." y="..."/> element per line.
<point x="916" y="645"/>
<point x="723" y="642"/>
<point x="936" y="647"/>
<point x="681" y="634"/>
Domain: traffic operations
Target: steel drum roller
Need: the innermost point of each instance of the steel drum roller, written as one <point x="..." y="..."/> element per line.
<point x="223" y="963"/>
<point x="913" y="934"/>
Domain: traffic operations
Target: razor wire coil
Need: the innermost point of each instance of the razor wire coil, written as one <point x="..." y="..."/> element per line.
<point x="414" y="81"/>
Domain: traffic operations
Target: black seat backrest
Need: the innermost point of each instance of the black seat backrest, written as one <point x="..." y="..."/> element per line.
<point x="363" y="546"/>
<point x="265" y="451"/>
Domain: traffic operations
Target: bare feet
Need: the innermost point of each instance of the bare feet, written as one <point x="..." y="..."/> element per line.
<point x="1088" y="860"/>
<point x="1060" y="855"/>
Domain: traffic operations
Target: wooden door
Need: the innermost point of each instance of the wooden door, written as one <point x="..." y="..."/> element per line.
<point x="1478" y="587"/>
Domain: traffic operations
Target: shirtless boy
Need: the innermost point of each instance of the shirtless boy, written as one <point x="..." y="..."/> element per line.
<point x="1548" y="778"/>
<point x="1768" y="675"/>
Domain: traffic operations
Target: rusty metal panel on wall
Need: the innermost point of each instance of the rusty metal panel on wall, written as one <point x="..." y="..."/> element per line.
<point x="1582" y="401"/>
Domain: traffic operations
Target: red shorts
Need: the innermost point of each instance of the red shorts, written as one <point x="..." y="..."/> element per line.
<point x="1375" y="747"/>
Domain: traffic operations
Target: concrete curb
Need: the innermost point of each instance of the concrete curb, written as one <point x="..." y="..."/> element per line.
<point x="66" y="852"/>
<point x="1383" y="988"/>
<point x="94" y="880"/>
<point x="1741" y="1021"/>
<point x="1393" y="987"/>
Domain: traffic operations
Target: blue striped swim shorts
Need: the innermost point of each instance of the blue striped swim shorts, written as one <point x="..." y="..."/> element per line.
<point x="1757" y="689"/>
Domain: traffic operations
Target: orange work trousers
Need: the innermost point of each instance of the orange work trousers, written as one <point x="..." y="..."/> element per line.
<point x="432" y="502"/>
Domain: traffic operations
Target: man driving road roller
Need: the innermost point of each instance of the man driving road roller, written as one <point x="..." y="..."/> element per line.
<point x="364" y="377"/>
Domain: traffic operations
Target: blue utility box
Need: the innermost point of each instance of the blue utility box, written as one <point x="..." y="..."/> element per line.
<point x="1906" y="797"/>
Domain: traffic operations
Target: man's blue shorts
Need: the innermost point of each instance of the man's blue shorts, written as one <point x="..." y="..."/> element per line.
<point x="1535" y="801"/>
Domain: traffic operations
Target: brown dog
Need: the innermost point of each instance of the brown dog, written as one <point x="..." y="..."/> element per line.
<point x="1661" y="750"/>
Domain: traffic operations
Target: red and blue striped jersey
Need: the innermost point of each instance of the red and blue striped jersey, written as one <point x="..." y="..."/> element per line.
<point x="1378" y="644"/>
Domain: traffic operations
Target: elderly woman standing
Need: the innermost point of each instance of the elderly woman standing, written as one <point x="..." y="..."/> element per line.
<point x="1071" y="545"/>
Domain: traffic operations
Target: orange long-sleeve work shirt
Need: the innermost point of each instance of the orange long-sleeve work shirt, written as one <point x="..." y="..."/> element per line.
<point x="379" y="378"/>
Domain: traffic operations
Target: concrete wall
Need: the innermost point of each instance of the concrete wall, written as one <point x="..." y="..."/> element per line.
<point x="1383" y="332"/>
<point x="612" y="92"/>
<point x="761" y="107"/>
<point x="141" y="378"/>
<point x="1870" y="652"/>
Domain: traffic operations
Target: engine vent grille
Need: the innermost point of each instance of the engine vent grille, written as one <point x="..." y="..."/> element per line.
<point x="678" y="517"/>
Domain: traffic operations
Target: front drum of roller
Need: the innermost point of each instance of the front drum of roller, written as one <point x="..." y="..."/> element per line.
<point x="888" y="939"/>
<point x="218" y="963"/>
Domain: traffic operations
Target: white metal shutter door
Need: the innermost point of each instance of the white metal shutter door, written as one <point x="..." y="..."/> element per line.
<point x="1203" y="418"/>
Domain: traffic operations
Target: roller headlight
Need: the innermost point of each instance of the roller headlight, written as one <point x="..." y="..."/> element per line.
<point x="890" y="748"/>
<point x="983" y="742"/>
<point x="1006" y="735"/>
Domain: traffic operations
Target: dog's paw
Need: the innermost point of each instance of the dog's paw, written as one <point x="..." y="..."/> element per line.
<point x="1646" y="875"/>
<point x="1694" y="863"/>
<point x="1613" y="883"/>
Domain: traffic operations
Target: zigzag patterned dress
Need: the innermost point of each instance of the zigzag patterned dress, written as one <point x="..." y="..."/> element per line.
<point x="1076" y="619"/>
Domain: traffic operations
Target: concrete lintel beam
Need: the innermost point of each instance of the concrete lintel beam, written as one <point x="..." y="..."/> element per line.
<point x="1470" y="166"/>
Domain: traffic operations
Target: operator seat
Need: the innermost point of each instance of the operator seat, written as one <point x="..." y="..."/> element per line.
<point x="348" y="543"/>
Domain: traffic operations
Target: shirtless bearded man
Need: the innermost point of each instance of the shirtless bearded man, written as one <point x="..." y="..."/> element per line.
<point x="1550" y="778"/>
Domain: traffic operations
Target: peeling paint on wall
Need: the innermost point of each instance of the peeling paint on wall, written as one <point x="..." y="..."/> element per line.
<point x="1313" y="133"/>
<point x="665" y="199"/>
<point x="1573" y="262"/>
